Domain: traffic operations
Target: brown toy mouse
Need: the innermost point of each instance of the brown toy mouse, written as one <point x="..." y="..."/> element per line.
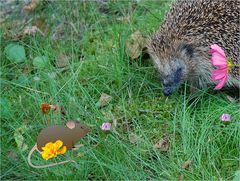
<point x="68" y="135"/>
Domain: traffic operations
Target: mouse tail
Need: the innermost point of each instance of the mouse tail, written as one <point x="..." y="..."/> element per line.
<point x="42" y="166"/>
<point x="30" y="155"/>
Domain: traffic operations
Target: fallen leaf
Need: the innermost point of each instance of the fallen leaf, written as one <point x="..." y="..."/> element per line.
<point x="186" y="164"/>
<point x="162" y="145"/>
<point x="13" y="155"/>
<point x="135" y="46"/>
<point x="133" y="138"/>
<point x="180" y="178"/>
<point x="41" y="24"/>
<point x="18" y="136"/>
<point x="231" y="99"/>
<point x="124" y="19"/>
<point x="32" y="30"/>
<point x="104" y="100"/>
<point x="62" y="61"/>
<point x="31" y="6"/>
<point x="114" y="124"/>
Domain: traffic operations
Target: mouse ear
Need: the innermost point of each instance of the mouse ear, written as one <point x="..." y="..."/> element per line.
<point x="70" y="124"/>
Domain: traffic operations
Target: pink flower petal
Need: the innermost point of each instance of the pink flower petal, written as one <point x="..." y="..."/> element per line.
<point x="225" y="117"/>
<point x="219" y="73"/>
<point x="106" y="126"/>
<point x="216" y="48"/>
<point x="218" y="60"/>
<point x="221" y="83"/>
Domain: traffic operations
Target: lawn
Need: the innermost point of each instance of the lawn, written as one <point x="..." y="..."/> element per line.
<point x="77" y="54"/>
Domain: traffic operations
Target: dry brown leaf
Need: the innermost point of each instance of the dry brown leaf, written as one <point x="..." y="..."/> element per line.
<point x="114" y="124"/>
<point x="13" y="155"/>
<point x="133" y="138"/>
<point x="124" y="19"/>
<point x="62" y="61"/>
<point x="18" y="136"/>
<point x="186" y="164"/>
<point x="104" y="100"/>
<point x="162" y="145"/>
<point x="135" y="46"/>
<point x="32" y="30"/>
<point x="41" y="24"/>
<point x="180" y="178"/>
<point x="31" y="6"/>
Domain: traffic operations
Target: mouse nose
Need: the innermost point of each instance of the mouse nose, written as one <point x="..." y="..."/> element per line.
<point x="167" y="91"/>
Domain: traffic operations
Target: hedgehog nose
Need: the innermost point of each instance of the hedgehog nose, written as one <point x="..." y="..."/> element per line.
<point x="167" y="91"/>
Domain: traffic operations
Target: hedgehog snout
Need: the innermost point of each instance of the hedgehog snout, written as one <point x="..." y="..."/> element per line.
<point x="171" y="82"/>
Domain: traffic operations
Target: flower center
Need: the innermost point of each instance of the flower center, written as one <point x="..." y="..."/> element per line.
<point x="230" y="64"/>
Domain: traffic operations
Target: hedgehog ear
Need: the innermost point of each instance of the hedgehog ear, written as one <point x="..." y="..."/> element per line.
<point x="70" y="124"/>
<point x="187" y="49"/>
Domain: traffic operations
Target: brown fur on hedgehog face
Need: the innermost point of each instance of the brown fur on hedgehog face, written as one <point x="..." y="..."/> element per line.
<point x="172" y="63"/>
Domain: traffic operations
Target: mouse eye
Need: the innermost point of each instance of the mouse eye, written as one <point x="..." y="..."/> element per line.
<point x="82" y="127"/>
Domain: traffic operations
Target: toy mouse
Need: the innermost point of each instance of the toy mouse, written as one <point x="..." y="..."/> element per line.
<point x="68" y="135"/>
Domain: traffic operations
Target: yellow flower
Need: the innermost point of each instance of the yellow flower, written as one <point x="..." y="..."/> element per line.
<point x="51" y="150"/>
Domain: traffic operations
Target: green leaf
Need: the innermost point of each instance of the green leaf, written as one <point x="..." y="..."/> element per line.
<point x="40" y="62"/>
<point x="15" y="53"/>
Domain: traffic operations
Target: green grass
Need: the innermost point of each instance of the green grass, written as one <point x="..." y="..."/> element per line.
<point x="99" y="64"/>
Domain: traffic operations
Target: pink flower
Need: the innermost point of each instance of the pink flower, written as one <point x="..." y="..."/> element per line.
<point x="219" y="60"/>
<point x="106" y="126"/>
<point x="225" y="117"/>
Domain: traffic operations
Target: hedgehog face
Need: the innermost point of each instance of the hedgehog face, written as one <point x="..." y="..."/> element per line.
<point x="172" y="65"/>
<point x="172" y="74"/>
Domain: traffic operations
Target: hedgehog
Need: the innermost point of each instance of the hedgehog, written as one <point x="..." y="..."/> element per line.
<point x="180" y="49"/>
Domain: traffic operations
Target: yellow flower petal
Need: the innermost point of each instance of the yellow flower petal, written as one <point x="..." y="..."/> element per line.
<point x="47" y="155"/>
<point x="58" y="144"/>
<point x="45" y="149"/>
<point x="48" y="146"/>
<point x="51" y="150"/>
<point x="62" y="151"/>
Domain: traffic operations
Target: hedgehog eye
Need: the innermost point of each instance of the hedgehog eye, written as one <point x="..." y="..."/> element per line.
<point x="188" y="49"/>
